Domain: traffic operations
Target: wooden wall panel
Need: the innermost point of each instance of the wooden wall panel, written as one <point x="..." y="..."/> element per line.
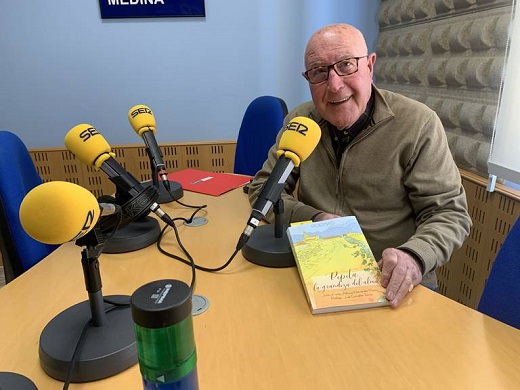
<point x="60" y="164"/>
<point x="208" y="157"/>
<point x="493" y="213"/>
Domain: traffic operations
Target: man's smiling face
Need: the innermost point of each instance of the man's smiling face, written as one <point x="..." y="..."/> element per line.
<point x="341" y="99"/>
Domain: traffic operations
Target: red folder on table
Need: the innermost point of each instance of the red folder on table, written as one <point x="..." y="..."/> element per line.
<point x="206" y="182"/>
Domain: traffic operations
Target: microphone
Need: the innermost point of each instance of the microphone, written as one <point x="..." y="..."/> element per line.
<point x="297" y="142"/>
<point x="57" y="212"/>
<point x="142" y="121"/>
<point x="91" y="148"/>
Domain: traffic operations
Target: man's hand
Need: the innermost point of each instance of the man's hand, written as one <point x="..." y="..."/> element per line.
<point x="323" y="216"/>
<point x="399" y="273"/>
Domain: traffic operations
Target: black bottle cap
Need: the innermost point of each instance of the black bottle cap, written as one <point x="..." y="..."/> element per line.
<point x="161" y="303"/>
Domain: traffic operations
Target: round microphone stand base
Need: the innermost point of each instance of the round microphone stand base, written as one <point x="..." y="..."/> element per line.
<point x="136" y="235"/>
<point x="103" y="351"/>
<point x="263" y="248"/>
<point x="14" y="381"/>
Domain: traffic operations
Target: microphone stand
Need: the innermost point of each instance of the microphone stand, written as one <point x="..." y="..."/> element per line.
<point x="140" y="232"/>
<point x="93" y="339"/>
<point x="268" y="245"/>
<point x="146" y="230"/>
<point x="166" y="195"/>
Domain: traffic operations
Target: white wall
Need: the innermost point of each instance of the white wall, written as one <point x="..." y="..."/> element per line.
<point x="504" y="159"/>
<point x="61" y="65"/>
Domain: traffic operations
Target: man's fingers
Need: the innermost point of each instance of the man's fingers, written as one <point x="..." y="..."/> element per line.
<point x="399" y="273"/>
<point x="396" y="293"/>
<point x="387" y="265"/>
<point x="397" y="278"/>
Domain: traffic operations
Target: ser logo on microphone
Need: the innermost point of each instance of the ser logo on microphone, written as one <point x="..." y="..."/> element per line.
<point x="140" y="110"/>
<point x="87" y="225"/>
<point x="298" y="127"/>
<point x="86" y="134"/>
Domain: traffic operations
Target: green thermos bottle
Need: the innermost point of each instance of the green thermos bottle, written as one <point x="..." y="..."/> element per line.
<point x="161" y="311"/>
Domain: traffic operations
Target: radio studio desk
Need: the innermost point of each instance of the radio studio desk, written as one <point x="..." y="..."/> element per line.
<point x="258" y="332"/>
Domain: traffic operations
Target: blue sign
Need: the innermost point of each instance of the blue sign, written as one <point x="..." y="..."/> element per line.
<point x="112" y="9"/>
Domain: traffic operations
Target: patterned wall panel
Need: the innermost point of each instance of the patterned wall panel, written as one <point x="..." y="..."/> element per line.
<point x="60" y="164"/>
<point x="493" y="213"/>
<point x="448" y="54"/>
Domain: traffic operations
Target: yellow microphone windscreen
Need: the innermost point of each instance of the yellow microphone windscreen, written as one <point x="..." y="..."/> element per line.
<point x="56" y="212"/>
<point x="299" y="139"/>
<point x="88" y="145"/>
<point x="141" y="119"/>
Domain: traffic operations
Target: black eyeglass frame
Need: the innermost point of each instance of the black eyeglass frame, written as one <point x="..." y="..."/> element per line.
<point x="333" y="66"/>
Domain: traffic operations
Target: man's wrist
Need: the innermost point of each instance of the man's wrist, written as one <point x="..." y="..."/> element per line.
<point x="416" y="258"/>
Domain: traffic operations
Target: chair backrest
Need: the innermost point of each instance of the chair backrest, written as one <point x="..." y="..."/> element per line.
<point x="18" y="176"/>
<point x="501" y="296"/>
<point x="261" y="123"/>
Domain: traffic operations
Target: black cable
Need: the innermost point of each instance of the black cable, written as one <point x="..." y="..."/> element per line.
<point x="76" y="353"/>
<point x="109" y="237"/>
<point x="190" y="219"/>
<point x="79" y="344"/>
<point x="189" y="206"/>
<point x="190" y="260"/>
<point x="81" y="339"/>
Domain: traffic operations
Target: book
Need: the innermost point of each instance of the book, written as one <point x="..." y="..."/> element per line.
<point x="336" y="265"/>
<point x="206" y="182"/>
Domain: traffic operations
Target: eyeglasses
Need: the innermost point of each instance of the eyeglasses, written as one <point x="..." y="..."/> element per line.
<point x="343" y="67"/>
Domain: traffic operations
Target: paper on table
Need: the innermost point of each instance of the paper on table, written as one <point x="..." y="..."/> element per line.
<point x="205" y="182"/>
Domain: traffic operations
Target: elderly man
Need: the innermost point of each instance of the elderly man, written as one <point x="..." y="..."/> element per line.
<point x="382" y="157"/>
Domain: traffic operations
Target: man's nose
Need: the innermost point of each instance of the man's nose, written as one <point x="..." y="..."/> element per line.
<point x="335" y="81"/>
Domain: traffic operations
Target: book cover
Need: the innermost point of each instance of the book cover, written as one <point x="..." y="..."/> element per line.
<point x="336" y="265"/>
<point x="206" y="182"/>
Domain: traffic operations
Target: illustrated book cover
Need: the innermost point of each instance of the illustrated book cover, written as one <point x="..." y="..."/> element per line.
<point x="206" y="182"/>
<point x="336" y="265"/>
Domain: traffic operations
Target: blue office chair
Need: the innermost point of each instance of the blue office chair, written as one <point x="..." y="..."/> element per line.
<point x="261" y="123"/>
<point x="501" y="296"/>
<point x="18" y="176"/>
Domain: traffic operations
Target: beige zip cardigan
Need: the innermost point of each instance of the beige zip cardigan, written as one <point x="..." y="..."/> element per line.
<point x="397" y="177"/>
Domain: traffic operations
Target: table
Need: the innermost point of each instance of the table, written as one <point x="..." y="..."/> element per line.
<point x="258" y="332"/>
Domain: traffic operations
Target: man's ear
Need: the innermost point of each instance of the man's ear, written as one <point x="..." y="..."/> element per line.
<point x="371" y="60"/>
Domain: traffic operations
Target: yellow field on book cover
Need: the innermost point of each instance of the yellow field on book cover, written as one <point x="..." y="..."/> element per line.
<point x="336" y="265"/>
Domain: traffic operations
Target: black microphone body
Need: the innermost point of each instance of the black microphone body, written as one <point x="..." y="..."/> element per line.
<point x="270" y="194"/>
<point x="296" y="143"/>
<point x="143" y="122"/>
<point x="155" y="155"/>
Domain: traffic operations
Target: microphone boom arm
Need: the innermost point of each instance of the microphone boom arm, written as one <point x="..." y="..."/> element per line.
<point x="122" y="179"/>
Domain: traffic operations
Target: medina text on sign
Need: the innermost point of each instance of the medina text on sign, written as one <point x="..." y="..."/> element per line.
<point x="134" y="2"/>
<point x="112" y="9"/>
